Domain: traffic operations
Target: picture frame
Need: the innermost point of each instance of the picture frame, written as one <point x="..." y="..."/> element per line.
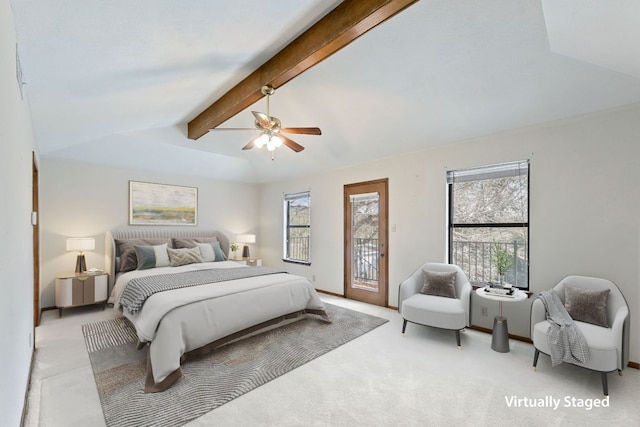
<point x="162" y="204"/>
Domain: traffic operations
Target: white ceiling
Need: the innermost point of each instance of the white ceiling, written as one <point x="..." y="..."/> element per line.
<point x="115" y="82"/>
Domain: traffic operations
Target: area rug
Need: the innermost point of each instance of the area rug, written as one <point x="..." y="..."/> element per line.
<point x="214" y="379"/>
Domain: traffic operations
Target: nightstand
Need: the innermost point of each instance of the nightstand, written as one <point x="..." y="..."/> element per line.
<point x="76" y="289"/>
<point x="253" y="262"/>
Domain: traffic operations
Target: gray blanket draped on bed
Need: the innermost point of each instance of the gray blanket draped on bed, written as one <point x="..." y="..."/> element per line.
<point x="566" y="342"/>
<point x="139" y="289"/>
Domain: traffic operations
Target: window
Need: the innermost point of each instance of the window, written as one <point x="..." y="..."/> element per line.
<point x="297" y="218"/>
<point x="489" y="223"/>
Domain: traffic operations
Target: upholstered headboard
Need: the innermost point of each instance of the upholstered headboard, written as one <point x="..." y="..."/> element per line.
<point x="129" y="232"/>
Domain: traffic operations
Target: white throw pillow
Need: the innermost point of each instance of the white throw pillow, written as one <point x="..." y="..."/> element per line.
<point x="162" y="256"/>
<point x="206" y="250"/>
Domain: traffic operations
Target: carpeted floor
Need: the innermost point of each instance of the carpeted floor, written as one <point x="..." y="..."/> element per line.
<point x="213" y="380"/>
<point x="382" y="378"/>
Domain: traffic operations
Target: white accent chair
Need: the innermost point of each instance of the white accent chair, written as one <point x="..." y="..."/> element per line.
<point x="608" y="347"/>
<point x="431" y="310"/>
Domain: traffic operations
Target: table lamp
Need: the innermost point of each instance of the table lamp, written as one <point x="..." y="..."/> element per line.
<point x="81" y="244"/>
<point x="244" y="239"/>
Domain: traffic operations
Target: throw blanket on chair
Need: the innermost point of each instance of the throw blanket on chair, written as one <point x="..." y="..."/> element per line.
<point x="566" y="342"/>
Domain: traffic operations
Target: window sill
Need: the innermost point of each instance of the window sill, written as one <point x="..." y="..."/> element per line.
<point x="293" y="261"/>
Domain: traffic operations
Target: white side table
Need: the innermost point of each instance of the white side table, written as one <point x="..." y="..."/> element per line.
<point x="500" y="336"/>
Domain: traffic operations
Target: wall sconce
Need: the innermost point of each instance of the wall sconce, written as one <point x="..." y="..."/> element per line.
<point x="244" y="239"/>
<point x="81" y="244"/>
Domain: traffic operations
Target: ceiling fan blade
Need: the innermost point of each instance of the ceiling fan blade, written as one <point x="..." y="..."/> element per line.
<point x="291" y="144"/>
<point x="262" y="120"/>
<point x="252" y="143"/>
<point x="252" y="129"/>
<point x="302" y="131"/>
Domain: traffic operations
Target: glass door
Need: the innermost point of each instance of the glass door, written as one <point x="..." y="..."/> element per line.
<point x="365" y="206"/>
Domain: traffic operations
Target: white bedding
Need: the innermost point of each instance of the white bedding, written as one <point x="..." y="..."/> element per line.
<point x="181" y="320"/>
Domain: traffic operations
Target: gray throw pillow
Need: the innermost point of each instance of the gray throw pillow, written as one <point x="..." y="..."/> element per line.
<point x="439" y="283"/>
<point x="184" y="256"/>
<point x="146" y="257"/>
<point x="190" y="242"/>
<point x="152" y="256"/>
<point x="587" y="305"/>
<point x="127" y="251"/>
<point x="217" y="249"/>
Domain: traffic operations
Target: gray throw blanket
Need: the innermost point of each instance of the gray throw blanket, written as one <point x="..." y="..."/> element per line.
<point x="566" y="342"/>
<point x="139" y="289"/>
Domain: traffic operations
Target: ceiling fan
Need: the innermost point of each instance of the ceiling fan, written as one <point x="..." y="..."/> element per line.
<point x="271" y="130"/>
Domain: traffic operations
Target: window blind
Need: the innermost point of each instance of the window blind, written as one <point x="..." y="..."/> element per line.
<point x="364" y="197"/>
<point x="296" y="196"/>
<point x="500" y="170"/>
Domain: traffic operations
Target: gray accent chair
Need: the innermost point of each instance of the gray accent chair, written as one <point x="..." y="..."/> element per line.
<point x="435" y="311"/>
<point x="608" y="347"/>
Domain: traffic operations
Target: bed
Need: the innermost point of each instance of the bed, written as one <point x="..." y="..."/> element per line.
<point x="186" y="310"/>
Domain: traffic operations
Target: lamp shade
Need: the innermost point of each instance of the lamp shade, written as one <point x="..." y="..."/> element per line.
<point x="246" y="238"/>
<point x="81" y="244"/>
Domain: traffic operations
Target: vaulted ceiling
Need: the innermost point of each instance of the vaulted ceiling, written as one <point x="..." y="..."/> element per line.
<point x="116" y="82"/>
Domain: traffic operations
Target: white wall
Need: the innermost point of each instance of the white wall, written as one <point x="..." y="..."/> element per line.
<point x="16" y="254"/>
<point x="86" y="200"/>
<point x="584" y="219"/>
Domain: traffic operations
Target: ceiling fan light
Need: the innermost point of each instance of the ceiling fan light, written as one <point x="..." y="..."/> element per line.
<point x="264" y="139"/>
<point x="271" y="145"/>
<point x="277" y="140"/>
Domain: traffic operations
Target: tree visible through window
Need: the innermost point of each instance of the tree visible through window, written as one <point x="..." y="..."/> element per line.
<point x="297" y="213"/>
<point x="489" y="223"/>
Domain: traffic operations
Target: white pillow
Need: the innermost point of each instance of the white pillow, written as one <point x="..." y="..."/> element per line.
<point x="162" y="256"/>
<point x="206" y="250"/>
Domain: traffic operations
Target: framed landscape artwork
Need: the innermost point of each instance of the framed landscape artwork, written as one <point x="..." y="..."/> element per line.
<point x="162" y="204"/>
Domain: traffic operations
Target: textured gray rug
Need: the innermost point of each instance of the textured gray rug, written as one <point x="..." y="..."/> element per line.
<point x="212" y="380"/>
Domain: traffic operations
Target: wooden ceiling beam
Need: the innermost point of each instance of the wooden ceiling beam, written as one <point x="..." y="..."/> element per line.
<point x="348" y="21"/>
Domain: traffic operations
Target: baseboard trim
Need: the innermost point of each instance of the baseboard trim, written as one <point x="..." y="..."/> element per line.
<point x="25" y="404"/>
<point x="330" y="293"/>
<point x="43" y="309"/>
<point x="634" y="365"/>
<point x="342" y="296"/>
<point x="490" y="331"/>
